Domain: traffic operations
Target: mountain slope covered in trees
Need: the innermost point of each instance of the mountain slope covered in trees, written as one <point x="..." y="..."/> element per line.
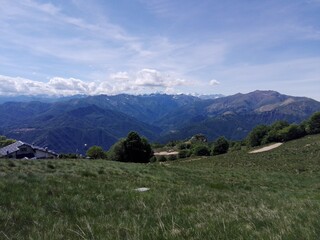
<point x="74" y="124"/>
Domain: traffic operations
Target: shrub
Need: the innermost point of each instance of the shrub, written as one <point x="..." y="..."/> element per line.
<point x="291" y="132"/>
<point x="172" y="157"/>
<point x="184" y="145"/>
<point x="132" y="149"/>
<point x="274" y="134"/>
<point x="172" y="143"/>
<point x="162" y="159"/>
<point x="68" y="156"/>
<point x="221" y="145"/>
<point x="5" y="142"/>
<point x="235" y="146"/>
<point x="96" y="152"/>
<point x="184" y="153"/>
<point x="153" y="159"/>
<point x="313" y="124"/>
<point x="201" y="150"/>
<point x="256" y="136"/>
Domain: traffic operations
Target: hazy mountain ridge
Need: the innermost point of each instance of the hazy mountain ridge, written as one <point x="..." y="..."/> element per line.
<point x="75" y="124"/>
<point x="234" y="116"/>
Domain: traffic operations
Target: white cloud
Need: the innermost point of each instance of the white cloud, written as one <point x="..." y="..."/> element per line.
<point x="16" y="86"/>
<point x="149" y="78"/>
<point x="42" y="7"/>
<point x="146" y="80"/>
<point x="153" y="78"/>
<point x="123" y="76"/>
<point x="214" y="82"/>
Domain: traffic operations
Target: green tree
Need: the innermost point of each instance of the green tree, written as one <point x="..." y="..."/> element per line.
<point x="291" y="132"/>
<point x="273" y="134"/>
<point x="184" y="153"/>
<point x="184" y="145"/>
<point x="220" y="146"/>
<point x="313" y="124"/>
<point x="96" y="152"/>
<point x="5" y="141"/>
<point x="256" y="136"/>
<point x="132" y="149"/>
<point x="201" y="150"/>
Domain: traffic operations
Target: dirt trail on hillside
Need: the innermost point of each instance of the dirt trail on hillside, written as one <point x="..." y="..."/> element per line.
<point x="267" y="148"/>
<point x="165" y="153"/>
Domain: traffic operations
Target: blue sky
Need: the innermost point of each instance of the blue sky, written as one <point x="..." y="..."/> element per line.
<point x="70" y="47"/>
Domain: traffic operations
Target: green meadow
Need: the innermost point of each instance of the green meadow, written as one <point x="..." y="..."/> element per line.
<point x="270" y="195"/>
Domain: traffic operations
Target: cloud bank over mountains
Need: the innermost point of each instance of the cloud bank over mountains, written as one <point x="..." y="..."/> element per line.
<point x="145" y="80"/>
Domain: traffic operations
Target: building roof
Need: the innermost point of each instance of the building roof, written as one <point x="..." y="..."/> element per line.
<point x="15" y="147"/>
<point x="11" y="148"/>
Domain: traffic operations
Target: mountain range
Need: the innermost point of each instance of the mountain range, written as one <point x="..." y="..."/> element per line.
<point x="73" y="124"/>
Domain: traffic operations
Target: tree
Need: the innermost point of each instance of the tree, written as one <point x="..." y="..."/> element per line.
<point x="96" y="152"/>
<point x="132" y="149"/>
<point x="184" y="153"/>
<point x="201" y="150"/>
<point x="5" y="141"/>
<point x="291" y="132"/>
<point x="256" y="136"/>
<point x="273" y="134"/>
<point x="220" y="146"/>
<point x="313" y="124"/>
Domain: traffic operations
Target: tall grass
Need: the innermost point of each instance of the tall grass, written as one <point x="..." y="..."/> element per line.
<point x="271" y="195"/>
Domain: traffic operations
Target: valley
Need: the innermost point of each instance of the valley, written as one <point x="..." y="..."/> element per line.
<point x="71" y="125"/>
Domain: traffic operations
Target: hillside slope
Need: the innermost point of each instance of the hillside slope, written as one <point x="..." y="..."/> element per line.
<point x="271" y="195"/>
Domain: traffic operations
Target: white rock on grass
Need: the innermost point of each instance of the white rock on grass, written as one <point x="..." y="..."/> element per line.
<point x="142" y="189"/>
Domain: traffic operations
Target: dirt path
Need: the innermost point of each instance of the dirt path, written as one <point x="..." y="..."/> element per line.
<point x="165" y="153"/>
<point x="267" y="148"/>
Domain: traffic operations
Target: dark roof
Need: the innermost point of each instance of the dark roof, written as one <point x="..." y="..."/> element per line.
<point x="15" y="147"/>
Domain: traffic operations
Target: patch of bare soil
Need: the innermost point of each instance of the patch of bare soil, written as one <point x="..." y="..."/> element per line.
<point x="267" y="148"/>
<point x="165" y="153"/>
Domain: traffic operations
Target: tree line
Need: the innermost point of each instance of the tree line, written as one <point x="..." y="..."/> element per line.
<point x="282" y="131"/>
<point x="134" y="148"/>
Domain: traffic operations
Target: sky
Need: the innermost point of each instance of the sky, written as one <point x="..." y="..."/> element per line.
<point x="67" y="47"/>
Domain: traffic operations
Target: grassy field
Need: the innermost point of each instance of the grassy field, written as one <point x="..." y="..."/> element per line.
<point x="271" y="195"/>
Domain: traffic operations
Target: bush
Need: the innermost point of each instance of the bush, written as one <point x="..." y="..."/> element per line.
<point x="201" y="150"/>
<point x="291" y="132"/>
<point x="172" y="157"/>
<point x="172" y="143"/>
<point x="68" y="156"/>
<point x="257" y="135"/>
<point x="220" y="146"/>
<point x="96" y="152"/>
<point x="132" y="149"/>
<point x="5" y="141"/>
<point x="235" y="146"/>
<point x="184" y="153"/>
<point x="162" y="159"/>
<point x="184" y="145"/>
<point x="274" y="134"/>
<point x="153" y="159"/>
<point x="313" y="124"/>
